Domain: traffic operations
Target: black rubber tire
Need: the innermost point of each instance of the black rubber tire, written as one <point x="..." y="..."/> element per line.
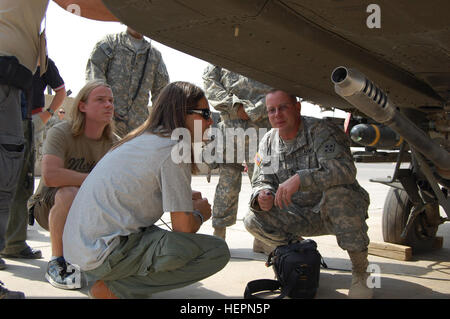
<point x="397" y="208"/>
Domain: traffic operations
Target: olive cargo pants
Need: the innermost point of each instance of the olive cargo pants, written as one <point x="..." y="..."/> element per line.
<point x="16" y="231"/>
<point x="155" y="260"/>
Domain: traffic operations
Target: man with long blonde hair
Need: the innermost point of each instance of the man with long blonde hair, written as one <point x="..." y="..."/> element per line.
<point x="71" y="150"/>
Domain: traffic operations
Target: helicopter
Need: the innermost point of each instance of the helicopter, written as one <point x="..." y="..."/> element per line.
<point x="386" y="63"/>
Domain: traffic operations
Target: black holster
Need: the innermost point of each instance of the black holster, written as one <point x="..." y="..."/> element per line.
<point x="13" y="73"/>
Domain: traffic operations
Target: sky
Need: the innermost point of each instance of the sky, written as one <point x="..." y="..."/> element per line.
<point x="71" y="38"/>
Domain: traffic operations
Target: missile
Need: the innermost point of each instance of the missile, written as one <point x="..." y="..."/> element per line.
<point x="373" y="135"/>
<point x="363" y="94"/>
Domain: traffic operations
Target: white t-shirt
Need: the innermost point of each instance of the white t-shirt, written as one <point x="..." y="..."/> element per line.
<point x="20" y="25"/>
<point x="129" y="189"/>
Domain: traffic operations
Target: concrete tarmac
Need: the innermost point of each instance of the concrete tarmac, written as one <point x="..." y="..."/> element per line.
<point x="426" y="276"/>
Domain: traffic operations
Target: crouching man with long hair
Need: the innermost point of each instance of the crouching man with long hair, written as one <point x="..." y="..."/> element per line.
<point x="71" y="150"/>
<point x="110" y="230"/>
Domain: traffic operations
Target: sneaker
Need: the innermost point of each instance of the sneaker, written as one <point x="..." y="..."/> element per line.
<point x="7" y="294"/>
<point x="63" y="275"/>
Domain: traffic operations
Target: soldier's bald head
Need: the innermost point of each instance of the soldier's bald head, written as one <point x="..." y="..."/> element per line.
<point x="292" y="97"/>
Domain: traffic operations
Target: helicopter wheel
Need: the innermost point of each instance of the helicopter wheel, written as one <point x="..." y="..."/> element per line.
<point x="397" y="208"/>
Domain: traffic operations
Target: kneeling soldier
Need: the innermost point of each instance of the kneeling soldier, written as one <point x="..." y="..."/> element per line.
<point x="305" y="185"/>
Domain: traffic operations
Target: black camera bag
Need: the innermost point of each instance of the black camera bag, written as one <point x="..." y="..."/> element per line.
<point x="297" y="269"/>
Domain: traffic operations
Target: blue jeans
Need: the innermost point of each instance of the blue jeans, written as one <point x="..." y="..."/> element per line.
<point x="12" y="147"/>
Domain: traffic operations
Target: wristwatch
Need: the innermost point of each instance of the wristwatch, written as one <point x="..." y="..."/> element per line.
<point x="49" y="110"/>
<point x="196" y="212"/>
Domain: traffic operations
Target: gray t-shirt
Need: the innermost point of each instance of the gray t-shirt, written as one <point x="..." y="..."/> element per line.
<point x="129" y="189"/>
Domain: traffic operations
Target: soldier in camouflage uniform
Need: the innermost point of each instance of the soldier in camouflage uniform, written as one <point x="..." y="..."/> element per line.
<point x="241" y="103"/>
<point x="133" y="68"/>
<point x="305" y="184"/>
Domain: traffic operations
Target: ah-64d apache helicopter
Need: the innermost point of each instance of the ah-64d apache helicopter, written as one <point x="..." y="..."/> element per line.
<point x="389" y="65"/>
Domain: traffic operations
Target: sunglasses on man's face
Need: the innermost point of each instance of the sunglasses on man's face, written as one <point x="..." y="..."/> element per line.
<point x="205" y="113"/>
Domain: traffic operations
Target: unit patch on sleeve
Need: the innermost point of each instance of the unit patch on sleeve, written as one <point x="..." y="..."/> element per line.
<point x="329" y="147"/>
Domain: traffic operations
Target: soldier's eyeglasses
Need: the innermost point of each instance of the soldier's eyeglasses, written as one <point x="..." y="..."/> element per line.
<point x="281" y="108"/>
<point x="205" y="113"/>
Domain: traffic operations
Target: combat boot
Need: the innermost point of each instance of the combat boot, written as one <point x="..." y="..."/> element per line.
<point x="359" y="288"/>
<point x="220" y="232"/>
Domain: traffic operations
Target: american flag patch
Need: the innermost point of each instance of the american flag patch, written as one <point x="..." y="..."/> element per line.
<point x="258" y="159"/>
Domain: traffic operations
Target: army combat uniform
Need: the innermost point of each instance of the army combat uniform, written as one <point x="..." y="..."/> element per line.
<point x="225" y="91"/>
<point x="329" y="200"/>
<point x="132" y="73"/>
